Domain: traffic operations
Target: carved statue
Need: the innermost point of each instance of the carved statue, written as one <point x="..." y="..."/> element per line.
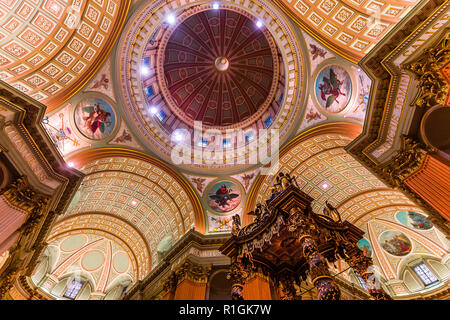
<point x="285" y="180"/>
<point x="432" y="85"/>
<point x="236" y="225"/>
<point x="331" y="212"/>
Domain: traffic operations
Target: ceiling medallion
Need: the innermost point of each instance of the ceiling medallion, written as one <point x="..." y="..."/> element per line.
<point x="222" y="64"/>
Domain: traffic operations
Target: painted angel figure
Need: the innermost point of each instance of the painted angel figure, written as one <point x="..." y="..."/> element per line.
<point x="330" y="89"/>
<point x="316" y="51"/>
<point x="97" y="118"/>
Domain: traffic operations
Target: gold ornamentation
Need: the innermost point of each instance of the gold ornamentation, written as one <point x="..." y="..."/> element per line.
<point x="432" y="85"/>
<point x="170" y="285"/>
<point x="20" y="194"/>
<point x="236" y="226"/>
<point x="192" y="271"/>
<point x="405" y="162"/>
<point x="7" y="281"/>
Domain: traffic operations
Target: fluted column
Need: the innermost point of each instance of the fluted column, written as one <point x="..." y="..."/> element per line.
<point x="238" y="276"/>
<point x="318" y="268"/>
<point x="301" y="224"/>
<point x="363" y="265"/>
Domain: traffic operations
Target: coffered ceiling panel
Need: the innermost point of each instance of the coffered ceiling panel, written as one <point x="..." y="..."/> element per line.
<point x="351" y="27"/>
<point x="50" y="48"/>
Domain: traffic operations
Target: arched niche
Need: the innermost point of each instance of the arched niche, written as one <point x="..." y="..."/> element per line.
<point x="413" y="282"/>
<point x="118" y="287"/>
<point x="219" y="287"/>
<point x="66" y="280"/>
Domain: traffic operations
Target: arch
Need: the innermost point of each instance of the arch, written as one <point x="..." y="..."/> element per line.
<point x="86" y="157"/>
<point x="52" y="68"/>
<point x="112" y="226"/>
<point x="218" y="286"/>
<point x="85" y="292"/>
<point x="346" y="130"/>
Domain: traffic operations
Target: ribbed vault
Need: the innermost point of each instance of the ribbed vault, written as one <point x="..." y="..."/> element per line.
<point x="109" y="226"/>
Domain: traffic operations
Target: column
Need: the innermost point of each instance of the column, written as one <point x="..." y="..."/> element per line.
<point x="318" y="269"/>
<point x="303" y="225"/>
<point x="238" y="276"/>
<point x="363" y="266"/>
<point x="287" y="289"/>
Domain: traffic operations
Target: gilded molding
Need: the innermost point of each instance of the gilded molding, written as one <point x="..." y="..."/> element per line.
<point x="20" y="194"/>
<point x="432" y="87"/>
<point x="387" y="75"/>
<point x="406" y="162"/>
<point x="193" y="271"/>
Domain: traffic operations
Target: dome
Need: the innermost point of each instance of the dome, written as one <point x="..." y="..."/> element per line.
<point x="219" y="67"/>
<point x="229" y="67"/>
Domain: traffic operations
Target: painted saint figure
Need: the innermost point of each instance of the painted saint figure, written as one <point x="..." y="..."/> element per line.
<point x="330" y="87"/>
<point x="97" y="118"/>
<point x="395" y="243"/>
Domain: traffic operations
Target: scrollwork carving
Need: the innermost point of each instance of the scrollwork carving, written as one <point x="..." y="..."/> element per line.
<point x="20" y="194"/>
<point x="432" y="85"/>
<point x="405" y="162"/>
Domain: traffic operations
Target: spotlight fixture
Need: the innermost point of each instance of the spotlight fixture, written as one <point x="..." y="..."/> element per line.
<point x="70" y="164"/>
<point x="259" y="23"/>
<point x="145" y="70"/>
<point x="171" y="19"/>
<point x="153" y="110"/>
<point x="215" y="6"/>
<point x="325" y="186"/>
<point x="178" y="135"/>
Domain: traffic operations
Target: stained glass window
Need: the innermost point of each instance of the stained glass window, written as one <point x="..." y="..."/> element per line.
<point x="425" y="274"/>
<point x="73" y="289"/>
<point x="226" y="143"/>
<point x="203" y="142"/>
<point x="161" y="115"/>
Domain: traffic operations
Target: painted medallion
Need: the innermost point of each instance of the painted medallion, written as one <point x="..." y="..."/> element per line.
<point x="414" y="220"/>
<point x="333" y="88"/>
<point x="95" y="118"/>
<point x="395" y="242"/>
<point x="224" y="196"/>
<point x="365" y="247"/>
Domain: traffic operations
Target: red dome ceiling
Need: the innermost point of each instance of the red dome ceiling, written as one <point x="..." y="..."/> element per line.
<point x="220" y="68"/>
